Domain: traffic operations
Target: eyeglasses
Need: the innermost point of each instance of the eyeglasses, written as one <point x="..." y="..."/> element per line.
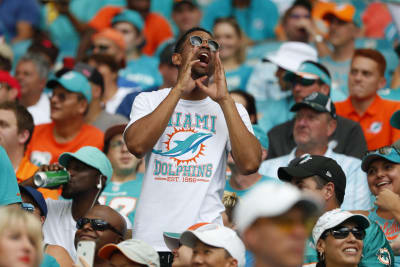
<point x="302" y="81"/>
<point x="101" y="48"/>
<point x="97" y="225"/>
<point x="198" y="41"/>
<point x="27" y="207"/>
<point x="344" y="232"/>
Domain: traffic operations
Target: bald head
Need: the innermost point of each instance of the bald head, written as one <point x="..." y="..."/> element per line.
<point x="101" y="224"/>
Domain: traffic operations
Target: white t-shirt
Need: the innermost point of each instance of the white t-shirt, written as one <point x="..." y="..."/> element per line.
<point x="60" y="227"/>
<point x="185" y="172"/>
<point x="115" y="101"/>
<point x="41" y="110"/>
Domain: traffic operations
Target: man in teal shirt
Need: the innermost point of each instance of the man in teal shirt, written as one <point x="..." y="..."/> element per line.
<point x="324" y="177"/>
<point x="9" y="191"/>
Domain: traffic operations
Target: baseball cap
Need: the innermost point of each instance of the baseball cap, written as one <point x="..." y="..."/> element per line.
<point x="91" y="73"/>
<point x="395" y="120"/>
<point x="172" y="239"/>
<point x="178" y="3"/>
<point x="36" y="196"/>
<point x="308" y="165"/>
<point x="91" y="156"/>
<point x="311" y="71"/>
<point x="113" y="35"/>
<point x="270" y="199"/>
<point x="134" y="249"/>
<point x="390" y="153"/>
<point x="131" y="17"/>
<point x="10" y="81"/>
<point x="217" y="236"/>
<point x="73" y="81"/>
<point x="261" y="136"/>
<point x="291" y="54"/>
<point x="318" y="102"/>
<point x="334" y="218"/>
<point x="345" y="12"/>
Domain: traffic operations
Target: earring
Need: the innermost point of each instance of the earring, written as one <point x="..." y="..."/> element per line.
<point x="321" y="255"/>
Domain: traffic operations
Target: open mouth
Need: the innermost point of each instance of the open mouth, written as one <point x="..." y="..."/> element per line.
<point x="382" y="184"/>
<point x="204" y="58"/>
<point x="350" y="251"/>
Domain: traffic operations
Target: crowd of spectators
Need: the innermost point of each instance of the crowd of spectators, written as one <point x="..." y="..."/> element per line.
<point x="199" y="133"/>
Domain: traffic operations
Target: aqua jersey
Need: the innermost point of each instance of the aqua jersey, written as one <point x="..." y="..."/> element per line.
<point x="237" y="78"/>
<point x="241" y="193"/>
<point x="123" y="197"/>
<point x="49" y="261"/>
<point x="143" y="71"/>
<point x="391" y="229"/>
<point x="339" y="72"/>
<point x="258" y="20"/>
<point x="9" y="191"/>
<point x="376" y="250"/>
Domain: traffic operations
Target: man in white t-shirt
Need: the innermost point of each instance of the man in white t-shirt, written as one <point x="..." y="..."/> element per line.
<point x="89" y="170"/>
<point x="186" y="133"/>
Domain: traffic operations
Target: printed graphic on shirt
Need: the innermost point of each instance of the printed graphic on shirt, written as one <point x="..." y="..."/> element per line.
<point x="375" y="127"/>
<point x="391" y="229"/>
<point x="40" y="157"/>
<point x="384" y="256"/>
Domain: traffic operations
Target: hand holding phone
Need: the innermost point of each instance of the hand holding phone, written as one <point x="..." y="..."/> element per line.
<point x="85" y="250"/>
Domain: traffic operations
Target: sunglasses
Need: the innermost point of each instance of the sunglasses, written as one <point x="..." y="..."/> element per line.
<point x="386" y="150"/>
<point x="97" y="225"/>
<point x="27" y="207"/>
<point x="343" y="232"/>
<point x="303" y="82"/>
<point x="198" y="41"/>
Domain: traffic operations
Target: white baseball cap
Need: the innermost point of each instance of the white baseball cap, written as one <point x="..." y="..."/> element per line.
<point x="135" y="250"/>
<point x="335" y="217"/>
<point x="171" y="239"/>
<point x="217" y="236"/>
<point x="270" y="199"/>
<point x="290" y="55"/>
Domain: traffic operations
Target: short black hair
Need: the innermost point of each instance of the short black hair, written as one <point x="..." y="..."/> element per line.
<point x="321" y="182"/>
<point x="250" y="102"/>
<point x="182" y="39"/>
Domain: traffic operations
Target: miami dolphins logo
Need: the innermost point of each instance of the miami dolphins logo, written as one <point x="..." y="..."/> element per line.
<point x="184" y="145"/>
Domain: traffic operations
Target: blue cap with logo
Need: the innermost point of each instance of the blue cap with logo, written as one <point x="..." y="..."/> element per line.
<point x="309" y="70"/>
<point x="131" y="17"/>
<point x="73" y="81"/>
<point x="36" y="196"/>
<point x="261" y="135"/>
<point x="390" y="153"/>
<point x="91" y="156"/>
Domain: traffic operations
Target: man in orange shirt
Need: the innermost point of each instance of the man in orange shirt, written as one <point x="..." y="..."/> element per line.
<point x="68" y="131"/>
<point x="16" y="128"/>
<point x="364" y="105"/>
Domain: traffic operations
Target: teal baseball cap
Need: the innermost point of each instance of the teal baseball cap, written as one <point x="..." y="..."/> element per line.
<point x="390" y="153"/>
<point x="91" y="156"/>
<point x="73" y="81"/>
<point x="310" y="70"/>
<point x="395" y="120"/>
<point x="131" y="17"/>
<point x="318" y="102"/>
<point x="261" y="135"/>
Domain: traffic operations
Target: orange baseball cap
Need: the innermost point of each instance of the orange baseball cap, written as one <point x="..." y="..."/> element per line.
<point x="112" y="35"/>
<point x="345" y="12"/>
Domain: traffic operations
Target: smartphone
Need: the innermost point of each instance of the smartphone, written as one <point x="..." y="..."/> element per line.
<point x="85" y="250"/>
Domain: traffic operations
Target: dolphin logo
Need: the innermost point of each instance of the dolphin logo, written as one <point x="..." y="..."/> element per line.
<point x="182" y="147"/>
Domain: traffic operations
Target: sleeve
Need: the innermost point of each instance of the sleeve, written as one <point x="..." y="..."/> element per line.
<point x="29" y="12"/>
<point x="246" y="120"/>
<point x="9" y="191"/>
<point x="376" y="250"/>
<point x="140" y="108"/>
